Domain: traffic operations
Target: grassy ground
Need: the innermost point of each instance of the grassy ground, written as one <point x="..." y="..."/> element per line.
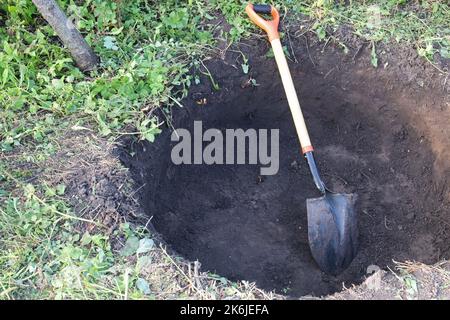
<point x="47" y="248"/>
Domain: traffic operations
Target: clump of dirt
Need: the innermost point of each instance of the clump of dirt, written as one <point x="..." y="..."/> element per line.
<point x="373" y="135"/>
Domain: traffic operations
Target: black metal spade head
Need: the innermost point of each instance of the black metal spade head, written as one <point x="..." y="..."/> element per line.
<point x="332" y="230"/>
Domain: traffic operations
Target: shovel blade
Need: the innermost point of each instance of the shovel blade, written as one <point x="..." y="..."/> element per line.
<point x="333" y="231"/>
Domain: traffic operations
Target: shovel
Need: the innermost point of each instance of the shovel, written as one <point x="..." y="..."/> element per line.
<point x="332" y="220"/>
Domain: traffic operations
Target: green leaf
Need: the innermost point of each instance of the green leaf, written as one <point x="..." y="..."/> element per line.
<point x="143" y="286"/>
<point x="60" y="189"/>
<point x="86" y="239"/>
<point x="130" y="246"/>
<point x="373" y="56"/>
<point x="270" y="54"/>
<point x="29" y="190"/>
<point x="110" y="43"/>
<point x="244" y="68"/>
<point x="116" y="31"/>
<point x="145" y="245"/>
<point x="445" y="53"/>
<point x="5" y="75"/>
<point x="411" y="283"/>
<point x="321" y="33"/>
<point x="57" y="84"/>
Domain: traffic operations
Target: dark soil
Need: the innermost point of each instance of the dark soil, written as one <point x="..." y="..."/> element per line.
<point x="375" y="133"/>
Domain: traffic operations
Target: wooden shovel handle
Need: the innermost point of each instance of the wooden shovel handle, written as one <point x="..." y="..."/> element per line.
<point x="271" y="27"/>
<point x="291" y="94"/>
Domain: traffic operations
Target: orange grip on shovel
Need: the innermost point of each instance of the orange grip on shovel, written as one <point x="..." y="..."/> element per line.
<point x="269" y="26"/>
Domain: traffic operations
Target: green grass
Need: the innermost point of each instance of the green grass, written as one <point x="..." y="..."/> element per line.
<point x="147" y="49"/>
<point x="146" y="55"/>
<point x="423" y="24"/>
<point x="43" y="255"/>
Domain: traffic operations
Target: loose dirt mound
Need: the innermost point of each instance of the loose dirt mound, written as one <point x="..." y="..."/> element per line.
<point x="384" y="138"/>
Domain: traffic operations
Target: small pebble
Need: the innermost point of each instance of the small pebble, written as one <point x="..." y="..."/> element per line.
<point x="372" y="269"/>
